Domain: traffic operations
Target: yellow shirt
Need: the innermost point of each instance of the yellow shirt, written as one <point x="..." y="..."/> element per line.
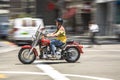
<point x="61" y="34"/>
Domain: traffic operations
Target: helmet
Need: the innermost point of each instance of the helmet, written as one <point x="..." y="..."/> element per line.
<point x="59" y="20"/>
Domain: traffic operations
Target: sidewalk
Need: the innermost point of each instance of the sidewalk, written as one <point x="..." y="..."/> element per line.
<point x="6" y="46"/>
<point x="85" y="39"/>
<point x="86" y="36"/>
<point x="6" y="43"/>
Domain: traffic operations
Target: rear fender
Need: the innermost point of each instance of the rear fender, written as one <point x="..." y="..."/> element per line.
<point x="29" y="47"/>
<point x="77" y="45"/>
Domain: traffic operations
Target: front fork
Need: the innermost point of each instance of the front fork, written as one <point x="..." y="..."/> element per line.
<point x="40" y="50"/>
<point x="33" y="47"/>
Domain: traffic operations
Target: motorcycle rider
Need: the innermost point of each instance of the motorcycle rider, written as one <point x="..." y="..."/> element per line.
<point x="60" y="34"/>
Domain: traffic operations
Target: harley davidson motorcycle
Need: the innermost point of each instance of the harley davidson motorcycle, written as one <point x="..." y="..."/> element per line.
<point x="70" y="51"/>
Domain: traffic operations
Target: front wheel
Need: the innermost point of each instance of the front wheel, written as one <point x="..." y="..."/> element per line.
<point x="72" y="54"/>
<point x="26" y="58"/>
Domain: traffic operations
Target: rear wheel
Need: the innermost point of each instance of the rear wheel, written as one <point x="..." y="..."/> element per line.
<point x="26" y="58"/>
<point x="72" y="54"/>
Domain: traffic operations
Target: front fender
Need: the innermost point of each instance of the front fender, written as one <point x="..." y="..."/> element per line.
<point x="29" y="47"/>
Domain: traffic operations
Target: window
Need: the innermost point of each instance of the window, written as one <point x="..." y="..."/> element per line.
<point x="15" y="3"/>
<point x="28" y="23"/>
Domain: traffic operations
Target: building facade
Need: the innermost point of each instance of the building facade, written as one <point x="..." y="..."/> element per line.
<point x="107" y="15"/>
<point x="76" y="13"/>
<point x="4" y="6"/>
<point x="19" y="8"/>
<point x="48" y="10"/>
<point x="4" y="10"/>
<point x="78" y="20"/>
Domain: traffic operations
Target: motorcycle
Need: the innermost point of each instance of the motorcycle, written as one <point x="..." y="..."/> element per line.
<point x="70" y="51"/>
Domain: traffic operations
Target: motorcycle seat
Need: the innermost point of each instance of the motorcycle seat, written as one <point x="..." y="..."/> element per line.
<point x="70" y="41"/>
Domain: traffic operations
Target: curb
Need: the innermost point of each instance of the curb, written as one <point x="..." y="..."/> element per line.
<point x="97" y="37"/>
<point x="6" y="46"/>
<point x="7" y="49"/>
<point x="6" y="43"/>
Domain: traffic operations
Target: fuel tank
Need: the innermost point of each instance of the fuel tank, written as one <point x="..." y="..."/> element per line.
<point x="45" y="42"/>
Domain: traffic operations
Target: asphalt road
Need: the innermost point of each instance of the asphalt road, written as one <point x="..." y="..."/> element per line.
<point x="101" y="62"/>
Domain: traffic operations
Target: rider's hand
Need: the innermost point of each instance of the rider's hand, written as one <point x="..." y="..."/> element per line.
<point x="43" y="36"/>
<point x="50" y="35"/>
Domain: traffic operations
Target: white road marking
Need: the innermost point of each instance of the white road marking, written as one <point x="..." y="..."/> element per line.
<point x="103" y="50"/>
<point x="22" y="72"/>
<point x="89" y="77"/>
<point x="51" y="72"/>
<point x="39" y="73"/>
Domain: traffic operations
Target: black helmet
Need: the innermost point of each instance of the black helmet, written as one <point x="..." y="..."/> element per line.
<point x="60" y="20"/>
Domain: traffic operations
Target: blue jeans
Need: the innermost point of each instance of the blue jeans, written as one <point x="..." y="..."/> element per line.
<point x="55" y="43"/>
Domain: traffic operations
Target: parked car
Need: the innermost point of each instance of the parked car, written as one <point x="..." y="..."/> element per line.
<point x="50" y="28"/>
<point x="24" y="28"/>
<point x="4" y="28"/>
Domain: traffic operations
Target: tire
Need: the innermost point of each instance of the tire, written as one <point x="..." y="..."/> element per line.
<point x="72" y="54"/>
<point x="23" y="57"/>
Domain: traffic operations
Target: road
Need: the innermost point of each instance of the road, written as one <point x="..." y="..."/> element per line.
<point x="101" y="62"/>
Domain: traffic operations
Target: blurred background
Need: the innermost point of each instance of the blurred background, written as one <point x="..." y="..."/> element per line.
<point x="76" y="14"/>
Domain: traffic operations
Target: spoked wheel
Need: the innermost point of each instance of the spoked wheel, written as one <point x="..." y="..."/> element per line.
<point x="26" y="58"/>
<point x="72" y="55"/>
